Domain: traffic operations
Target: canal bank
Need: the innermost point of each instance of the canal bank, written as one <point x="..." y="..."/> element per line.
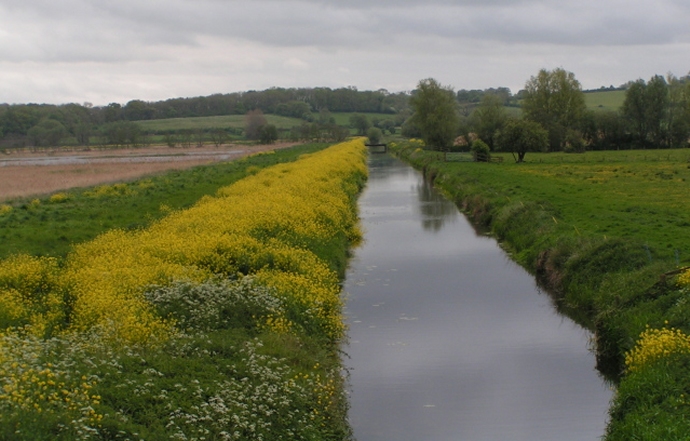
<point x="449" y="339"/>
<point x="611" y="285"/>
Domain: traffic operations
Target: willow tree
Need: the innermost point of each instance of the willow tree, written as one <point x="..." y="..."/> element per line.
<point x="435" y="114"/>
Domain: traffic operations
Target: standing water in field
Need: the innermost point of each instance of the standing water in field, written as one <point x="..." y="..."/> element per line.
<point x="451" y="340"/>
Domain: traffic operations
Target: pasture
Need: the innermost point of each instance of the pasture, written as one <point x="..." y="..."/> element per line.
<point x="605" y="100"/>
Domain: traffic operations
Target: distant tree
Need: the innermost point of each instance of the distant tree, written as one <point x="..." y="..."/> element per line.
<point x="199" y="137"/>
<point x="268" y="134"/>
<point x="170" y="139"/>
<point x="184" y="137"/>
<point x="137" y="110"/>
<point x="48" y="132"/>
<point x="645" y="107"/>
<point x="253" y="122"/>
<point x="374" y="134"/>
<point x="219" y="137"/>
<point x="122" y="133"/>
<point x="657" y="109"/>
<point x="520" y="136"/>
<point x="435" y="114"/>
<point x="325" y="116"/>
<point x="555" y="100"/>
<point x="678" y="112"/>
<point x="112" y="112"/>
<point x="603" y="130"/>
<point x="360" y="123"/>
<point x="488" y="119"/>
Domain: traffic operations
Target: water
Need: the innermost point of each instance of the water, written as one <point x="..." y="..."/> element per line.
<point x="451" y="340"/>
<point x="83" y="159"/>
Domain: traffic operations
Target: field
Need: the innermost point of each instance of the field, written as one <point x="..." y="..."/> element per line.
<point x="608" y="235"/>
<point x="212" y="122"/>
<point x="24" y="173"/>
<point x="51" y="224"/>
<point x="216" y="321"/>
<point x="607" y="100"/>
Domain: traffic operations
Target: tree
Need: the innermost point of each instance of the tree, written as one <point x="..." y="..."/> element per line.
<point x="645" y="107"/>
<point x="360" y="123"/>
<point x="374" y="134"/>
<point x="520" y="136"/>
<point x="435" y="114"/>
<point x="678" y="112"/>
<point x="219" y="137"/>
<point x="253" y="122"/>
<point x="268" y="134"/>
<point x="555" y="100"/>
<point x="489" y="119"/>
<point x="48" y="132"/>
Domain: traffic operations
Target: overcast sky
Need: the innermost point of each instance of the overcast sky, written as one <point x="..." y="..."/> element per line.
<point x="102" y="51"/>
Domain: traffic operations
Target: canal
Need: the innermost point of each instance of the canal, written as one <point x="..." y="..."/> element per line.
<point x="451" y="340"/>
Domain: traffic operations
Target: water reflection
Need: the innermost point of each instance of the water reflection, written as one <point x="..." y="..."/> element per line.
<point x="449" y="340"/>
<point x="435" y="208"/>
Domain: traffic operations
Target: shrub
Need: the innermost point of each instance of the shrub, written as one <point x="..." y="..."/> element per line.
<point x="480" y="151"/>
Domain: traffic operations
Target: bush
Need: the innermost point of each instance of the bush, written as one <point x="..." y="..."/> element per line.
<point x="374" y="135"/>
<point x="480" y="151"/>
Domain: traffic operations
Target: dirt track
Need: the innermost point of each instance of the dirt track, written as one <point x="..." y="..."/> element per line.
<point x="25" y="174"/>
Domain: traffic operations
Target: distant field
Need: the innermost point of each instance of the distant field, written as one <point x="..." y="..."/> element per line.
<point x="213" y="122"/>
<point x="607" y="100"/>
<point x="638" y="194"/>
<point x="343" y="118"/>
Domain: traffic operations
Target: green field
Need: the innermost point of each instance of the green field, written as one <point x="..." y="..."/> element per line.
<point x="606" y="100"/>
<point x="212" y="122"/>
<point x="237" y="122"/>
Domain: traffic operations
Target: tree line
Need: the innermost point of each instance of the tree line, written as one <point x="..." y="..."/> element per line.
<point x="554" y="117"/>
<point x="44" y="124"/>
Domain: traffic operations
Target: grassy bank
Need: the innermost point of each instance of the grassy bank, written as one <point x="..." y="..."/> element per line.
<point x="600" y="235"/>
<point x="50" y="225"/>
<point x="220" y="321"/>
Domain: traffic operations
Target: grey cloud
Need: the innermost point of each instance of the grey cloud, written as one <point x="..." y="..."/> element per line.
<point x="108" y="30"/>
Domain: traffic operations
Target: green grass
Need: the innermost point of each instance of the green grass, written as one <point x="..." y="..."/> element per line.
<point x="631" y="195"/>
<point x="51" y="228"/>
<point x="212" y="122"/>
<point x="607" y="100"/>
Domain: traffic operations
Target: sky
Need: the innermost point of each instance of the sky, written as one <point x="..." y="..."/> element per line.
<point x="103" y="51"/>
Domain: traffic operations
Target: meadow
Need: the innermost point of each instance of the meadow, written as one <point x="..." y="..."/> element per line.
<point x="606" y="233"/>
<point x="212" y="122"/>
<point x="605" y="100"/>
<point x="219" y="321"/>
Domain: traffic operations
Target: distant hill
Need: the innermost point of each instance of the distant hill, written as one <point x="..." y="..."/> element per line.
<point x="605" y="100"/>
